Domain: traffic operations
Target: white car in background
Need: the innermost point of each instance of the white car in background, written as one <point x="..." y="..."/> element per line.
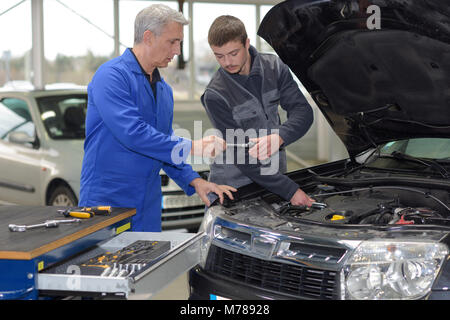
<point x="41" y="152"/>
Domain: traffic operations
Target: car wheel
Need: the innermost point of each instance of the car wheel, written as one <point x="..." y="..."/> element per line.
<point x="63" y="196"/>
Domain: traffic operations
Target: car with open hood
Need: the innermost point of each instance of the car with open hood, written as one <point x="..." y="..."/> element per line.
<point x="379" y="71"/>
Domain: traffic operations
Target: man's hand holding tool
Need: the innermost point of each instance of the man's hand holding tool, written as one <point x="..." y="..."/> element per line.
<point x="264" y="147"/>
<point x="208" y="147"/>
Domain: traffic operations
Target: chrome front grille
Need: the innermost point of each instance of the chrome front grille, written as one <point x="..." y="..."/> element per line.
<point x="294" y="280"/>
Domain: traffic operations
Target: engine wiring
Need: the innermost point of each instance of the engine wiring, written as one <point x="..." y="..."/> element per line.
<point x="383" y="213"/>
<point x="426" y="194"/>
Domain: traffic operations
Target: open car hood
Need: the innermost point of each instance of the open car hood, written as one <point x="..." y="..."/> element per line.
<point x="372" y="85"/>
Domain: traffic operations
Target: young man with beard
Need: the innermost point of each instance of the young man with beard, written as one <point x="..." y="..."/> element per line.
<point x="243" y="96"/>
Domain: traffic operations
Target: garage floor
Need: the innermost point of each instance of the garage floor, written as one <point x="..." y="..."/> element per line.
<point x="177" y="290"/>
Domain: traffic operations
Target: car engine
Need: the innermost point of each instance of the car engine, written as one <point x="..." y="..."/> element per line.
<point x="348" y="201"/>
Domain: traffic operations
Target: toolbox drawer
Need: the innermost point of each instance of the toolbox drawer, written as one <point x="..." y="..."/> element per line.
<point x="67" y="279"/>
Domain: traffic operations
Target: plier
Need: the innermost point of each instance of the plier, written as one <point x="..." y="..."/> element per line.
<point x="86" y="212"/>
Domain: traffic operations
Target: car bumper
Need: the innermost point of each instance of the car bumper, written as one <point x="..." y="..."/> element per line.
<point x="204" y="286"/>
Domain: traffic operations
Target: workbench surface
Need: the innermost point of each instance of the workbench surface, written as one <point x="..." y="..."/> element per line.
<point x="34" y="242"/>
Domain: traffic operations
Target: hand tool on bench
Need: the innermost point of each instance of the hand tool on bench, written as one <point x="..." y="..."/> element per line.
<point x="86" y="212"/>
<point x="102" y="210"/>
<point x="46" y="224"/>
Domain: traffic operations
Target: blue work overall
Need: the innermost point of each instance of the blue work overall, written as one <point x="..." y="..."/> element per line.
<point x="129" y="139"/>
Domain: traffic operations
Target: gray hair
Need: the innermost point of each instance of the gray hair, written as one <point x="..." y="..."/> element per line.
<point x="155" y="18"/>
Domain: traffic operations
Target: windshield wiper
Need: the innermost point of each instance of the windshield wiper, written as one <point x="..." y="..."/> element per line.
<point x="443" y="160"/>
<point x="432" y="164"/>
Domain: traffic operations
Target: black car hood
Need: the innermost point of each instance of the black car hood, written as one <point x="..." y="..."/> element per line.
<point x="373" y="86"/>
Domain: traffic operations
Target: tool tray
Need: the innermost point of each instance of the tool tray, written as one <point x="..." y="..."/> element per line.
<point x="109" y="262"/>
<point x="140" y="264"/>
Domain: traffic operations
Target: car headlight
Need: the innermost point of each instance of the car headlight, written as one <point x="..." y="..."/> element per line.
<point x="392" y="270"/>
<point x="206" y="227"/>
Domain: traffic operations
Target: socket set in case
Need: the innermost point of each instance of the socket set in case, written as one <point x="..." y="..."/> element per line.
<point x="126" y="261"/>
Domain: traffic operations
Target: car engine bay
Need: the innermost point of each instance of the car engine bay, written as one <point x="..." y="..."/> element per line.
<point x="377" y="199"/>
<point x="371" y="205"/>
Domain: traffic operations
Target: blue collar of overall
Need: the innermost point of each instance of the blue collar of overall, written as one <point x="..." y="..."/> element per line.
<point x="131" y="59"/>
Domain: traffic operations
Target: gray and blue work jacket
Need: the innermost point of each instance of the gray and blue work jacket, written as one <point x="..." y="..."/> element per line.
<point x="250" y="103"/>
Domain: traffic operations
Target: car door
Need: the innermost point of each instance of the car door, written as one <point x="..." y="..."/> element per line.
<point x="20" y="156"/>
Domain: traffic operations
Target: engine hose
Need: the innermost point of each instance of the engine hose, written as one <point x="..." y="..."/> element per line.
<point x="383" y="187"/>
<point x="363" y="216"/>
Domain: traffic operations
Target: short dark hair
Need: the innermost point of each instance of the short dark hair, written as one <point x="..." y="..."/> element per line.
<point x="225" y="29"/>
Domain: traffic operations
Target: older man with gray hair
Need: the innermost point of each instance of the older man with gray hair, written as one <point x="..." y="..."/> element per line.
<point x="129" y="136"/>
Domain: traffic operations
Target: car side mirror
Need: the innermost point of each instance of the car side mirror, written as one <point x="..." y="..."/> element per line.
<point x="20" y="137"/>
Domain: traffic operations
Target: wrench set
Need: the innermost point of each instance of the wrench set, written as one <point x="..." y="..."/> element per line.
<point x="127" y="261"/>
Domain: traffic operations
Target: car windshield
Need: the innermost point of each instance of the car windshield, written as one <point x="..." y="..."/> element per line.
<point x="15" y="117"/>
<point x="64" y="116"/>
<point x="427" y="148"/>
<point x="419" y="155"/>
